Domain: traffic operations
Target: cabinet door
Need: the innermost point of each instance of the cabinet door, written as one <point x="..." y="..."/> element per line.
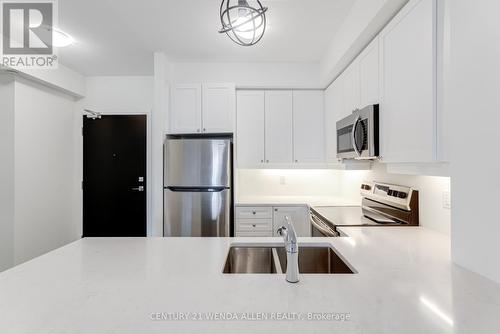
<point x="408" y="102"/>
<point x="218" y="108"/>
<point x="278" y="127"/>
<point x="308" y="127"/>
<point x="185" y="111"/>
<point x="350" y="88"/>
<point x="369" y="74"/>
<point x="250" y="128"/>
<point x="299" y="216"/>
<point x="333" y="110"/>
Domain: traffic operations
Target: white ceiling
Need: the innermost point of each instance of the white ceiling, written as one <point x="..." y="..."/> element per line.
<point x="118" y="37"/>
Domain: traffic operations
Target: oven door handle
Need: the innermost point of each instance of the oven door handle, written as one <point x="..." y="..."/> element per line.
<point x="322" y="229"/>
<point x="353" y="135"/>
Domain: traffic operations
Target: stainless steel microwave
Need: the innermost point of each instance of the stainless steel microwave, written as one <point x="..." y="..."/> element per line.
<point x="358" y="134"/>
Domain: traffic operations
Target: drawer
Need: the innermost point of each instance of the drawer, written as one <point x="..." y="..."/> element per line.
<point x="254" y="212"/>
<point x="254" y="234"/>
<point x="250" y="225"/>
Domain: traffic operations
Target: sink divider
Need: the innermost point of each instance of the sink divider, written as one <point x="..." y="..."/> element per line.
<point x="277" y="262"/>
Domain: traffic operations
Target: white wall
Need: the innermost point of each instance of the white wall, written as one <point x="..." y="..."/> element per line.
<point x="121" y="95"/>
<point x="39" y="193"/>
<point x="474" y="86"/>
<point x="45" y="183"/>
<point x="267" y="75"/>
<point x="161" y="98"/>
<point x="345" y="185"/>
<point x="63" y="79"/>
<point x="6" y="171"/>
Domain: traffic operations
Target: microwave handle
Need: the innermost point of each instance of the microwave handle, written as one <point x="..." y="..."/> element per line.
<point x="353" y="134"/>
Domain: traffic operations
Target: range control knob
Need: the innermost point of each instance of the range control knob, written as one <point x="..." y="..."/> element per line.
<point x="402" y="194"/>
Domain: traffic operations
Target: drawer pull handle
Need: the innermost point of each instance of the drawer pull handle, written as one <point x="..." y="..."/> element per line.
<point x="254" y="212"/>
<point x="254" y="225"/>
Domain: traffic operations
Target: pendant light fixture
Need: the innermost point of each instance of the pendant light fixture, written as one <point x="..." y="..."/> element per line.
<point x="243" y="23"/>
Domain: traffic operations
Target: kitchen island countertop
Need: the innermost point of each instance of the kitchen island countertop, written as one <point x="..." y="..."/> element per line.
<point x="405" y="283"/>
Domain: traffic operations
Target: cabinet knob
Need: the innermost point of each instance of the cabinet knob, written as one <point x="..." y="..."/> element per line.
<point x="204" y="130"/>
<point x="262" y="161"/>
<point x="197" y="130"/>
<point x="254" y="212"/>
<point x="296" y="160"/>
<point x="254" y="225"/>
<point x="267" y="161"/>
<point x="276" y="210"/>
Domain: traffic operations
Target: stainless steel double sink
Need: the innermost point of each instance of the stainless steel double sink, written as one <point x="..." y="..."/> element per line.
<point x="272" y="260"/>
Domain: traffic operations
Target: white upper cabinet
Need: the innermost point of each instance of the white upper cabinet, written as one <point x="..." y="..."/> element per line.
<point x="278" y="127"/>
<point x="369" y="74"/>
<point x="250" y="128"/>
<point x="308" y="127"/>
<point x="218" y="108"/>
<point x="185" y="110"/>
<point x="350" y="88"/>
<point x="408" y="87"/>
<point x="333" y="110"/>
<point x="207" y="108"/>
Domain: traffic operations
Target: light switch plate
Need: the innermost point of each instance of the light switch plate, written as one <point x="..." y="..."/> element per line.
<point x="282" y="180"/>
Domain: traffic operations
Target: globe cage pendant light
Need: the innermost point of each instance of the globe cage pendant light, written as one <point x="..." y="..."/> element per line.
<point x="244" y="24"/>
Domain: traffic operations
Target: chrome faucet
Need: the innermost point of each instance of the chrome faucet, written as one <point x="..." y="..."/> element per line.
<point x="292" y="250"/>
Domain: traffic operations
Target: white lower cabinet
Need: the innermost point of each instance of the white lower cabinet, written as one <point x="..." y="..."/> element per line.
<point x="253" y="221"/>
<point x="255" y="225"/>
<point x="299" y="215"/>
<point x="253" y="234"/>
<point x="264" y="221"/>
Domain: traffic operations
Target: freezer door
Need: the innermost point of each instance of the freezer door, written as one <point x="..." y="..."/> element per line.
<point x="197" y="163"/>
<point x="198" y="213"/>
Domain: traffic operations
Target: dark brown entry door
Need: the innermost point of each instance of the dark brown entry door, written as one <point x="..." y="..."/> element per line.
<point x="114" y="176"/>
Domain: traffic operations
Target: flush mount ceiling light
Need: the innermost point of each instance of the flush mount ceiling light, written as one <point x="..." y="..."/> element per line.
<point x="243" y="23"/>
<point x="61" y="39"/>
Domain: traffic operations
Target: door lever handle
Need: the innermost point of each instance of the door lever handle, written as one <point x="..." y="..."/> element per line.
<point x="139" y="188"/>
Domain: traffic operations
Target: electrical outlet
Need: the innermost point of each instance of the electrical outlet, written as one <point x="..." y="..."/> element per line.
<point x="446" y="200"/>
<point x="282" y="180"/>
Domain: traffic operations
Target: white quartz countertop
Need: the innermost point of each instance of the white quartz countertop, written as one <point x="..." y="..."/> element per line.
<point x="405" y="284"/>
<point x="294" y="200"/>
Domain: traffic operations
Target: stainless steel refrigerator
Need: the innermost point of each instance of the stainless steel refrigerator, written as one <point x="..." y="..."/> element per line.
<point x="197" y="187"/>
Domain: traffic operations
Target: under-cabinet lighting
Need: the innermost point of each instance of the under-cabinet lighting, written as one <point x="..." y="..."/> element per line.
<point x="351" y="241"/>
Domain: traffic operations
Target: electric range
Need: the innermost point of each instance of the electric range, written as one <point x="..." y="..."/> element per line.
<point x="382" y="205"/>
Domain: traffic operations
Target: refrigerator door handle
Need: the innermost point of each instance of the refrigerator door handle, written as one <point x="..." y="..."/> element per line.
<point x="197" y="190"/>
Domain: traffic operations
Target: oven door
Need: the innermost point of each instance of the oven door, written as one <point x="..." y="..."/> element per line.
<point x="321" y="229"/>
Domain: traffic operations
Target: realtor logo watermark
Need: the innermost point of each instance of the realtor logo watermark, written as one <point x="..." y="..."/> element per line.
<point x="27" y="30"/>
